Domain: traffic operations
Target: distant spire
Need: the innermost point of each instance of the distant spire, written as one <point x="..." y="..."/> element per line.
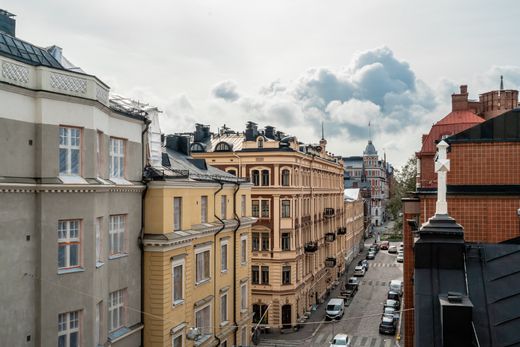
<point x="369" y="135"/>
<point x="501" y="82"/>
<point x="322" y="131"/>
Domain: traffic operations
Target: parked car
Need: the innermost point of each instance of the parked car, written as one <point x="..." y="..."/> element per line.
<point x="400" y="258"/>
<point x="388" y="325"/>
<point x="392" y="303"/>
<point x="371" y="255"/>
<point x="396" y="286"/>
<point x="359" y="271"/>
<point x="393" y="295"/>
<point x="401" y="246"/>
<point x="392" y="249"/>
<point x="341" y="340"/>
<point x="376" y="246"/>
<point x="334" y="309"/>
<point x="385" y="245"/>
<point x="391" y="312"/>
<point x="351" y="287"/>
<point x="363" y="263"/>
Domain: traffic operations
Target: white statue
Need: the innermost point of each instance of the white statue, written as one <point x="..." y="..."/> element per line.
<point x="442" y="166"/>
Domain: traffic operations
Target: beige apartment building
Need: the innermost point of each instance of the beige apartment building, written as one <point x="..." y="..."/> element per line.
<point x="304" y="237"/>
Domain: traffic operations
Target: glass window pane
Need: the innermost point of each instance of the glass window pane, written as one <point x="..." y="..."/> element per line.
<point x="74" y="339"/>
<point x="62" y="341"/>
<point x="63" y="161"/>
<point x="74" y="255"/>
<point x="74" y="161"/>
<point x="61" y="256"/>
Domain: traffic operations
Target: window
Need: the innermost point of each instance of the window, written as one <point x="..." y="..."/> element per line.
<point x="99" y="153"/>
<point x="99" y="223"/>
<point x="265" y="274"/>
<point x="260" y="143"/>
<point x="243" y="205"/>
<point x="203" y="320"/>
<point x="117" y="234"/>
<point x="223" y="308"/>
<point x="286" y="275"/>
<point x="117" y="157"/>
<point x="260" y="313"/>
<point x="265" y="241"/>
<point x="204" y="209"/>
<point x="255" y="177"/>
<point x="178" y="281"/>
<point x="232" y="172"/>
<point x="243" y="296"/>
<point x="255" y="208"/>
<point x="265" y="208"/>
<point x="177" y="213"/>
<point x="285" y="177"/>
<point x="255" y="242"/>
<point x="68" y="244"/>
<point x="70" y="143"/>
<point x="97" y="324"/>
<point x="202" y="263"/>
<point x="223" y="256"/>
<point x="68" y="329"/>
<point x="222" y="147"/>
<point x="177" y="340"/>
<point x="243" y="250"/>
<point x="265" y="177"/>
<point x="286" y="208"/>
<point x="286" y="241"/>
<point x="255" y="274"/>
<point x="116" y="309"/>
<point x="223" y="207"/>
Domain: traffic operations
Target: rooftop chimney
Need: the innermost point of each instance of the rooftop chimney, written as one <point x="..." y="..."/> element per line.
<point x="459" y="102"/>
<point x="251" y="131"/>
<point x="269" y="132"/>
<point x="7" y="23"/>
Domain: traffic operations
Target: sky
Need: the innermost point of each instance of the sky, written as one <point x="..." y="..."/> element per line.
<point x="292" y="64"/>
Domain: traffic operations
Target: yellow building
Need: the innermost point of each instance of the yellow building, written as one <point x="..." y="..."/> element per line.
<point x="197" y="253"/>
<point x="306" y="234"/>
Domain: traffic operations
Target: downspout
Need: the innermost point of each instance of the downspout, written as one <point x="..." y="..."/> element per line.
<point x="214" y="259"/>
<point x="237" y="218"/>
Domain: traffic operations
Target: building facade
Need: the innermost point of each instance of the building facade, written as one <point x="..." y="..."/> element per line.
<point x="70" y="200"/>
<point x="300" y="243"/>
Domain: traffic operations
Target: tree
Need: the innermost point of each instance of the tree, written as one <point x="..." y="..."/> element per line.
<point x="404" y="184"/>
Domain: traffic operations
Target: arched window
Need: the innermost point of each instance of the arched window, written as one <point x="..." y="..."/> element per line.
<point x="255" y="177"/>
<point x="222" y="147"/>
<point x="260" y="143"/>
<point x="265" y="177"/>
<point x="197" y="147"/>
<point x="232" y="172"/>
<point x="285" y="177"/>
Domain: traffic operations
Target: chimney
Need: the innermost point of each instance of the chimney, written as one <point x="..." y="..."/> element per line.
<point x="251" y="131"/>
<point x="456" y="317"/>
<point x="459" y="102"/>
<point x="7" y="23"/>
<point x="178" y="143"/>
<point x="269" y="132"/>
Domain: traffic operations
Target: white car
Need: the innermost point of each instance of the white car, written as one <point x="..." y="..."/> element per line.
<point x="400" y="258"/>
<point x="396" y="286"/>
<point x="359" y="271"/>
<point x="341" y="340"/>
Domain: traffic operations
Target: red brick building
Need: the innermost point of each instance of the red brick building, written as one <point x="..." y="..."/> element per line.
<point x="484" y="181"/>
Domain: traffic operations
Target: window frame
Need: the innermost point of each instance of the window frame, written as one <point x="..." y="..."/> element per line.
<point x="111" y="236"/>
<point x="284" y="271"/>
<point x="99" y="240"/>
<point x="243" y="249"/>
<point x="198" y="251"/>
<point x="243" y="205"/>
<point x="118" y="308"/>
<point x="243" y="298"/>
<point x="286" y="208"/>
<point x="66" y="323"/>
<point x="264" y="270"/>
<point x="204" y="209"/>
<point x="285" y="241"/>
<point x="255" y="279"/>
<point x="203" y="328"/>
<point x="255" y="208"/>
<point x="224" y="319"/>
<point x="178" y="263"/>
<point x="176" y="336"/>
<point x="68" y="147"/>
<point x="223" y="207"/>
<point x="120" y="156"/>
<point x="69" y="241"/>
<point x="224" y="263"/>
<point x="255" y="240"/>
<point x="265" y="202"/>
<point x="267" y="237"/>
<point x="285" y="177"/>
<point x="177" y="213"/>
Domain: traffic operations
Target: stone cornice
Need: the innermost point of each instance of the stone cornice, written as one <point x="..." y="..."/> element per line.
<point x="68" y="188"/>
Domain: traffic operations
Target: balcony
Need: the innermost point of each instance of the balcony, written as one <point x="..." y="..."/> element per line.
<point x="311" y="247"/>
<point x="330" y="262"/>
<point x="329" y="213"/>
<point x="330" y="237"/>
<point x="342" y="231"/>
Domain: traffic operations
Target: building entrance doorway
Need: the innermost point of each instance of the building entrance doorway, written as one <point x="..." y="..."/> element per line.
<point x="286" y="316"/>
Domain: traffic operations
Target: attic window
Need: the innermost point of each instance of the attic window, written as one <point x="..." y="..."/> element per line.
<point x="260" y="143"/>
<point x="197" y="147"/>
<point x="222" y="147"/>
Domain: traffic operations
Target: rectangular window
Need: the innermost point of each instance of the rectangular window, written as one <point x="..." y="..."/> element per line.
<point x="243" y="249"/>
<point x="265" y="177"/>
<point x="255" y="274"/>
<point x="223" y="256"/>
<point x="286" y="275"/>
<point x="265" y="241"/>
<point x="223" y="207"/>
<point x="70" y="144"/>
<point x="97" y="324"/>
<point x="69" y="243"/>
<point x="203" y="320"/>
<point x="255" y="208"/>
<point x="99" y="153"/>
<point x="177" y="213"/>
<point x="286" y="241"/>
<point x="116" y="232"/>
<point x="117" y="157"/>
<point x="255" y="243"/>
<point x="223" y="308"/>
<point x="265" y="274"/>
<point x="68" y="329"/>
<point x="243" y="296"/>
<point x="99" y="240"/>
<point x="177" y="340"/>
<point x="116" y="309"/>
<point x="265" y="208"/>
<point x="178" y="281"/>
<point x="243" y="205"/>
<point x="286" y="208"/>
<point x="204" y="209"/>
<point x="202" y="265"/>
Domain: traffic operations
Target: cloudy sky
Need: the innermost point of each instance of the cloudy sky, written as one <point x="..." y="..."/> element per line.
<point x="289" y="63"/>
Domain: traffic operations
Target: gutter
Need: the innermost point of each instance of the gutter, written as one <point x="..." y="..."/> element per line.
<point x="215" y="252"/>
<point x="237" y="218"/>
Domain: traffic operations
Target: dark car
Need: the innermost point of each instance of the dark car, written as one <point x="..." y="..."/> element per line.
<point x="393" y="295"/>
<point x="385" y="245"/>
<point x="376" y="246"/>
<point x="388" y="325"/>
<point x="352" y="286"/>
<point x="392" y="303"/>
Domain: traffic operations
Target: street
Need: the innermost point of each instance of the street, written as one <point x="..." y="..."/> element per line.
<point x="363" y="315"/>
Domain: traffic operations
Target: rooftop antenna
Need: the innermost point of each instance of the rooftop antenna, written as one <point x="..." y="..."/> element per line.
<point x="369" y="134"/>
<point x="501" y="82"/>
<point x="322" y="131"/>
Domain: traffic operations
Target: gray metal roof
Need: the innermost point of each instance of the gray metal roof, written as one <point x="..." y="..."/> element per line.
<point x="370" y="149"/>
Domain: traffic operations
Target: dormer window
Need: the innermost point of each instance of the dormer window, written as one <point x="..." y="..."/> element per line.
<point x="260" y="143"/>
<point x="197" y="147"/>
<point x="223" y="147"/>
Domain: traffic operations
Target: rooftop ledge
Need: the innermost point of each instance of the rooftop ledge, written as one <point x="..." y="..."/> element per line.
<point x="53" y="80"/>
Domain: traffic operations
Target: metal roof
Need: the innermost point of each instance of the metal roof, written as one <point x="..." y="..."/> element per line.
<point x="14" y="48"/>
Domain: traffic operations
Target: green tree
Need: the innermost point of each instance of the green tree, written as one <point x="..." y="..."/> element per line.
<point x="403" y="184"/>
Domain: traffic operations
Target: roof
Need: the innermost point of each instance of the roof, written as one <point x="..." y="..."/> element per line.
<point x="234" y="140"/>
<point x="351" y="194"/>
<point x="453" y="123"/>
<point x="22" y="51"/>
<point x="505" y="127"/>
<point x="370" y="149"/>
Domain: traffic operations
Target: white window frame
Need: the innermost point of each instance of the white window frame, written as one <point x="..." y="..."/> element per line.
<point x="97" y="324"/>
<point x="66" y="143"/>
<point x="117" y="231"/>
<point x="66" y="239"/>
<point x="223" y="207"/>
<point x="243" y="205"/>
<point x="224" y="309"/>
<point x="177" y="213"/>
<point x="243" y="298"/>
<point x="117" y="157"/>
<point x="204" y="209"/>
<point x="99" y="241"/>
<point x="182" y="264"/>
<point x="243" y="249"/>
<point x="68" y="324"/>
<point x="99" y="153"/>
<point x="176" y="336"/>
<point x="224" y="262"/>
<point x="197" y="252"/>
<point x="117" y="309"/>
<point x="205" y="330"/>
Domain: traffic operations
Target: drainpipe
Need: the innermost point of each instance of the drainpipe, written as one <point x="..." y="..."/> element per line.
<point x="214" y="258"/>
<point x="237" y="218"/>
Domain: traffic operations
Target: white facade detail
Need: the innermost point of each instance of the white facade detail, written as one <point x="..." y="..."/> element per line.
<point x="16" y="73"/>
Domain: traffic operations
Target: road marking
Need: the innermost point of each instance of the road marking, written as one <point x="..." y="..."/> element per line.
<point x="354" y="338"/>
<point x="373" y="342"/>
<point x="363" y="341"/>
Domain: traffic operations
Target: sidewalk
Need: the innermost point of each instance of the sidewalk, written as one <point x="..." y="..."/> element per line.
<point x="308" y="329"/>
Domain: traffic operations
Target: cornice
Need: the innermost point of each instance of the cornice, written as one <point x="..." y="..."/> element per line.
<point x="68" y="188"/>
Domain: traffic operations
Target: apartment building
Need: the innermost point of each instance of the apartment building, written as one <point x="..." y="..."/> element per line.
<point x="70" y="201"/>
<point x="197" y="252"/>
<point x="300" y="243"/>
